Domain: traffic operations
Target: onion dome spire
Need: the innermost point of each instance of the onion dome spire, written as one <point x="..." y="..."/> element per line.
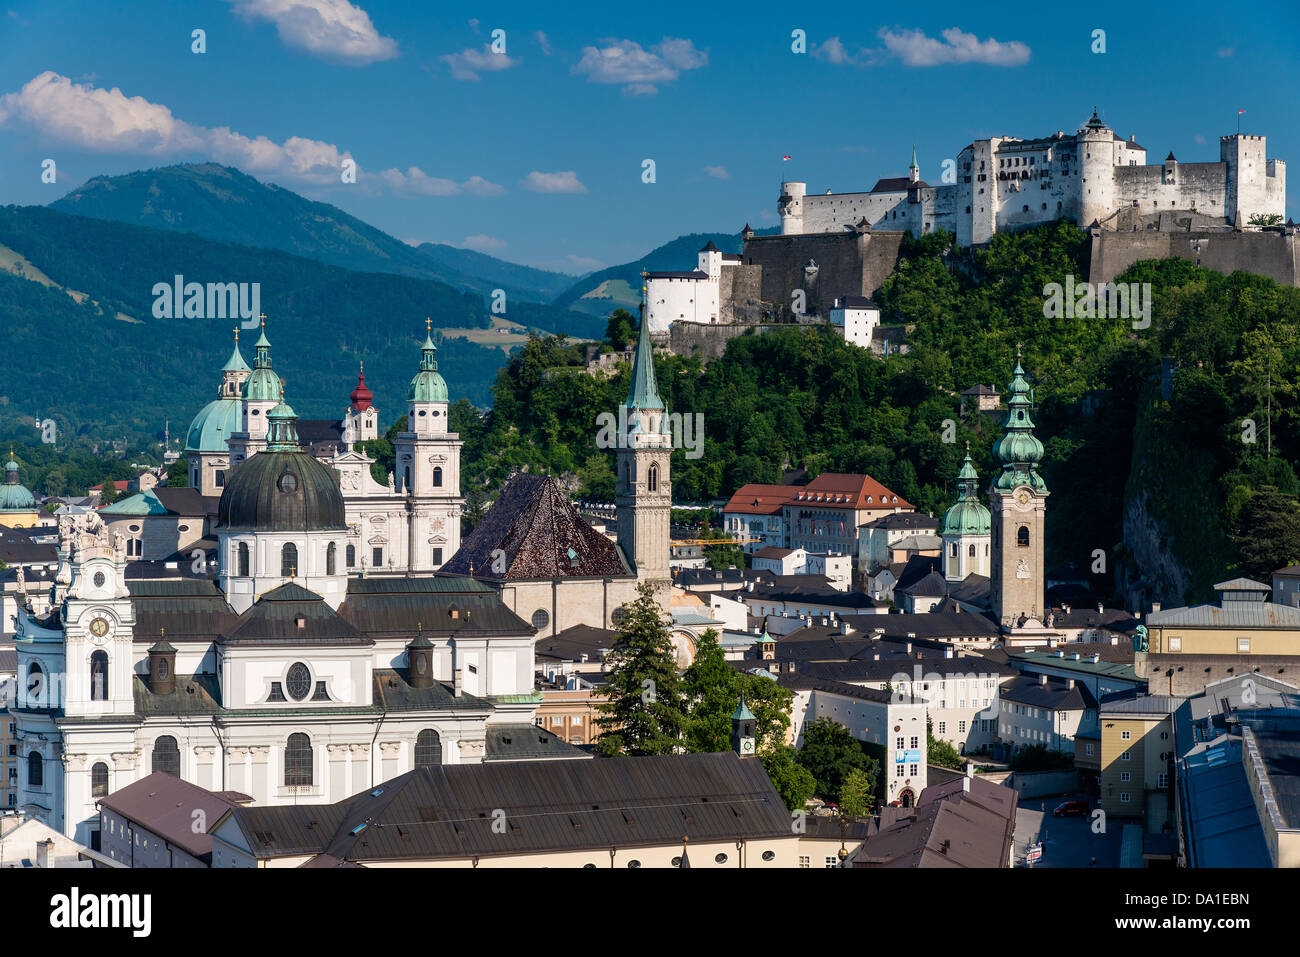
<point x="969" y="516"/>
<point x="361" y="396"/>
<point x="1018" y="449"/>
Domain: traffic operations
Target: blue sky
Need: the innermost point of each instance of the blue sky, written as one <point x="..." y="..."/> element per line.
<point x="535" y="155"/>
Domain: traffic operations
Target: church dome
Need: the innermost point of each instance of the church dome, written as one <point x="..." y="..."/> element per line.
<point x="262" y="386"/>
<point x="13" y="496"/>
<point x="361" y="396"/>
<point x="428" y="386"/>
<point x="967" y="518"/>
<point x="213" y="426"/>
<point x="281" y="491"/>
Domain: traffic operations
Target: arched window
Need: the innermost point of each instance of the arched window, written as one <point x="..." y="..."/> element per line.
<point x="406" y="478"/>
<point x="99" y="676"/>
<point x="298" y="761"/>
<point x="35" y="684"/>
<point x="428" y="749"/>
<point x="954" y="550"/>
<point x="167" y="756"/>
<point x="289" y="560"/>
<point x="35" y="770"/>
<point x="351" y="554"/>
<point x="330" y="552"/>
<point x="1022" y="535"/>
<point x="652" y="479"/>
<point x="970" y="552"/>
<point x="437" y="476"/>
<point x="243" y="559"/>
<point x="99" y="780"/>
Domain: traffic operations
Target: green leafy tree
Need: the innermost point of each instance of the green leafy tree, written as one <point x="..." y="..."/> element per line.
<point x="712" y="690"/>
<point x="620" y="330"/>
<point x="855" y="794"/>
<point x="939" y="752"/>
<point x="830" y="752"/>
<point x="108" y="492"/>
<point x="791" y="779"/>
<point x="644" y="711"/>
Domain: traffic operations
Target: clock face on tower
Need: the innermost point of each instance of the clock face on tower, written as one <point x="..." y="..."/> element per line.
<point x="747" y="746"/>
<point x="99" y="627"/>
<point x="1022" y="498"/>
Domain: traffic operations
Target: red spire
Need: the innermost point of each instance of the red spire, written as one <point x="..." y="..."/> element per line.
<point x="361" y="396"/>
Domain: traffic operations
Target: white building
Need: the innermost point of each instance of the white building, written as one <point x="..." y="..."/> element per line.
<point x="693" y="296"/>
<point x="857" y="318"/>
<point x="780" y="561"/>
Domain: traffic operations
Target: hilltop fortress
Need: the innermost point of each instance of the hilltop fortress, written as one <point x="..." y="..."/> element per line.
<point x="840" y="247"/>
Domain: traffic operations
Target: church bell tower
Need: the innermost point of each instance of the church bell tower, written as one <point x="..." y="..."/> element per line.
<point x="643" y="494"/>
<point x="1019" y="503"/>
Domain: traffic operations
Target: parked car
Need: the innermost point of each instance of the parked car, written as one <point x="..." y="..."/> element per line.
<point x="1071" y="809"/>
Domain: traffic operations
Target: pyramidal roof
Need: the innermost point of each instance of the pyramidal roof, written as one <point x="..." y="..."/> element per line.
<point x="536" y="533"/>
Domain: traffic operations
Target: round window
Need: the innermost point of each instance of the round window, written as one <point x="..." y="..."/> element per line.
<point x="634" y="864"/>
<point x="619" y="616"/>
<point x="541" y="618"/>
<point x="288" y="482"/>
<point x="720" y="859"/>
<point x="298" y="681"/>
<point x="769" y="855"/>
<point x="677" y="862"/>
<point x="99" y="579"/>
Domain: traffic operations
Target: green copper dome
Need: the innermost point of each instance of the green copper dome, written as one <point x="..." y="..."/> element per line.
<point x="428" y="386"/>
<point x="1018" y="449"/>
<point x="969" y="516"/>
<point x="13" y="496"/>
<point x="213" y="426"/>
<point x="236" y="361"/>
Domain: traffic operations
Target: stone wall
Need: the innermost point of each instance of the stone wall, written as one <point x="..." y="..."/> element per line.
<point x="848" y="264"/>
<point x="1271" y="254"/>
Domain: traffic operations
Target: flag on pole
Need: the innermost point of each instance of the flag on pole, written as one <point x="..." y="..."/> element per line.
<point x="787" y="157"/>
<point x="1239" y="112"/>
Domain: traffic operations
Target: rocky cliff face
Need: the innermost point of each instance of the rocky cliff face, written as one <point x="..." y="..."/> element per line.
<point x="1152" y="572"/>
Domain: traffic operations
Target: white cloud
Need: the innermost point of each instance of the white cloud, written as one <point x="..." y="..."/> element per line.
<point x="627" y="62"/>
<point x="584" y="264"/>
<point x="1200" y="139"/>
<point x="717" y="172"/>
<point x="561" y="182"/>
<point x="109" y="121"/>
<point x="917" y="49"/>
<point x="1225" y="51"/>
<point x="469" y="63"/>
<point x="834" y="51"/>
<point x="543" y="41"/>
<point x="416" y="181"/>
<point x="331" y="29"/>
<point x="483" y="244"/>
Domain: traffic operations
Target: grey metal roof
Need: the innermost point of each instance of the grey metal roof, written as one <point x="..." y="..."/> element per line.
<point x="1222" y="825"/>
<point x="1054" y="695"/>
<point x="439" y="606"/>
<point x="1242" y="584"/>
<point x="290" y="614"/>
<point x="804" y="682"/>
<point x="1152" y="704"/>
<point x="575" y="641"/>
<point x="527" y="742"/>
<point x="1231" y="614"/>
<point x="449" y="811"/>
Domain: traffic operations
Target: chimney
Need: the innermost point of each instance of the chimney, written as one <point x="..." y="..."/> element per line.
<point x="947" y="652"/>
<point x="970" y="769"/>
<point x="844" y="628"/>
<point x="965" y="784"/>
<point x="909" y="647"/>
<point x="457" y="685"/>
<point x="1042" y="679"/>
<point x="43" y="849"/>
<point x="1100" y="607"/>
<point x="1069" y="683"/>
<point x="1095" y="658"/>
<point x="1155" y="607"/>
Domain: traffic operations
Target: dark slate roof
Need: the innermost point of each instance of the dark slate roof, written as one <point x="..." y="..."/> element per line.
<point x="186" y="501"/>
<point x="711" y="247"/>
<point x="527" y="742"/>
<point x="804" y="682"/>
<point x="165" y="804"/>
<point x="446" y="811"/>
<point x="312" y="431"/>
<point x="855" y="302"/>
<point x="904" y="520"/>
<point x="194" y="695"/>
<point x="916" y="568"/>
<point x="292" y="614"/>
<point x="892" y="184"/>
<point x="813" y="596"/>
<point x="541" y="535"/>
<point x="691" y="274"/>
<point x="932" y="585"/>
<point x="401" y="606"/>
<point x="1055" y="695"/>
<point x="1279" y="749"/>
<point x="392" y="693"/>
<point x="980" y="390"/>
<point x="695" y="577"/>
<point x="949" y="827"/>
<point x="934" y="627"/>
<point x="189" y="610"/>
<point x="575" y="641"/>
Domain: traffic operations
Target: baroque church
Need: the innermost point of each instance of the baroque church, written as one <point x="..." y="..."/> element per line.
<point x="312" y="665"/>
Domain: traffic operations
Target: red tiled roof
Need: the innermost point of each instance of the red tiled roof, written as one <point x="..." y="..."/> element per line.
<point x="761" y="499"/>
<point x="832" y="489"/>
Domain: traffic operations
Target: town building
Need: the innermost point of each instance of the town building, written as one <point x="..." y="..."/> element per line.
<point x="162" y="821"/>
<point x="1137" y="760"/>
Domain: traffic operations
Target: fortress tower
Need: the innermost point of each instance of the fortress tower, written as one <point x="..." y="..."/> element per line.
<point x="1096" y="145"/>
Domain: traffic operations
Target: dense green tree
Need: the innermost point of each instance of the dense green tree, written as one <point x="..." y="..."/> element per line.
<point x="830" y="752"/>
<point x="939" y="752"/>
<point x="620" y="330"/>
<point x="855" y="794"/>
<point x="791" y="779"/>
<point x="644" y="711"/>
<point x="1267" y="532"/>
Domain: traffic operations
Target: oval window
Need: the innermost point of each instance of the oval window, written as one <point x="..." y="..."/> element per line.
<point x="288" y="482"/>
<point x="769" y="855"/>
<point x="298" y="681"/>
<point x="720" y="859"/>
<point x="634" y="864"/>
<point x="541" y="618"/>
<point x="162" y="668"/>
<point x="420" y="665"/>
<point x="99" y="579"/>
